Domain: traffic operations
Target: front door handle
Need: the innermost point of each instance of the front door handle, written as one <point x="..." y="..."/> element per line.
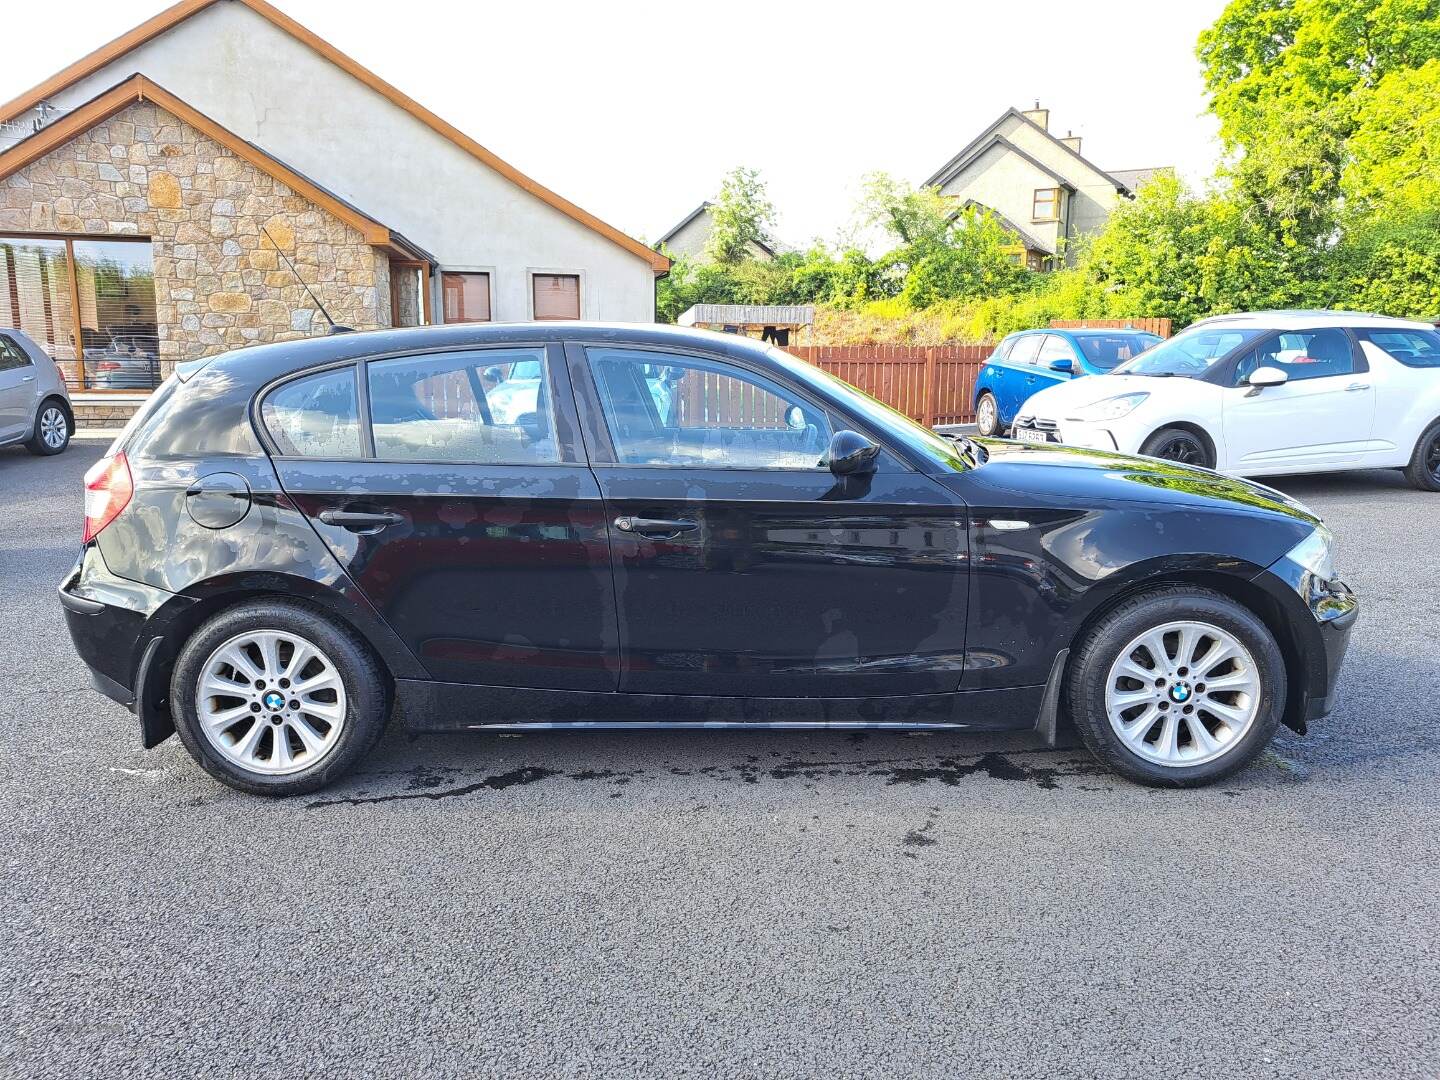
<point x="27" y="378"/>
<point x="361" y="521"/>
<point x="1358" y="386"/>
<point x="659" y="528"/>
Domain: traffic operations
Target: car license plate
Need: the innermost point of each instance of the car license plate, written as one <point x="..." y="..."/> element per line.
<point x="1025" y="434"/>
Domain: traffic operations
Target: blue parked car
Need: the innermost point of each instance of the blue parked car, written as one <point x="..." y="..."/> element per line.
<point x="1029" y="361"/>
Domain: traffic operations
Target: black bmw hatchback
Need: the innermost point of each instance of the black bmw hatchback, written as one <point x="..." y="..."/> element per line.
<point x="570" y="525"/>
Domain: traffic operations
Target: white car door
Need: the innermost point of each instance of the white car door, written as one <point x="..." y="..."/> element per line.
<point x="1320" y="418"/>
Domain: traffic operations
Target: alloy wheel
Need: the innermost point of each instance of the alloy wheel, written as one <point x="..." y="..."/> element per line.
<point x="1432" y="458"/>
<point x="1183" y="693"/>
<point x="271" y="702"/>
<point x="986" y="420"/>
<point x="54" y="428"/>
<point x="1185" y="449"/>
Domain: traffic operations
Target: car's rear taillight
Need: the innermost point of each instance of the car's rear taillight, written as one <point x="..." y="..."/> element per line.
<point x="108" y="487"/>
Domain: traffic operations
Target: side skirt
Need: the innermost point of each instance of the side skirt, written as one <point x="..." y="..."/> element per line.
<point x="438" y="706"/>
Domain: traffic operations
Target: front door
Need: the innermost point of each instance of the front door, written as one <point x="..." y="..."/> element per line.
<point x="478" y="533"/>
<point x="1321" y="417"/>
<point x="743" y="567"/>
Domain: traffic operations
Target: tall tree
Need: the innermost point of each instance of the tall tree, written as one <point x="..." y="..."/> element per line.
<point x="742" y="215"/>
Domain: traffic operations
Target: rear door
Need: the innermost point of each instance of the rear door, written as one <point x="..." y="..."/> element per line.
<point x="480" y="536"/>
<point x="17" y="390"/>
<point x="743" y="567"/>
<point x="1321" y="417"/>
<point x="1018" y="376"/>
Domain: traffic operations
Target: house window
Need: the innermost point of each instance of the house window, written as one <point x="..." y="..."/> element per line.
<point x="467" y="297"/>
<point x="556" y="296"/>
<point x="89" y="303"/>
<point x="1047" y="205"/>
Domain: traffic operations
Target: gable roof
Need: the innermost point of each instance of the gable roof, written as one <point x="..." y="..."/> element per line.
<point x="173" y="16"/>
<point x="688" y="218"/>
<point x="1034" y="243"/>
<point x="138" y="88"/>
<point x="988" y="137"/>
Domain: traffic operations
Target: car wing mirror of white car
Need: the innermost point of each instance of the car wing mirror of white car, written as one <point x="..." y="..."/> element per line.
<point x="1262" y="377"/>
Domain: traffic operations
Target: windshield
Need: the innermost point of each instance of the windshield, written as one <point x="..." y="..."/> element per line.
<point x="1104" y="351"/>
<point x="892" y="422"/>
<point x="1191" y="353"/>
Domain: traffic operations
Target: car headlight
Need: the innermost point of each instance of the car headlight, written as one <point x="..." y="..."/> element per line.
<point x="1112" y="408"/>
<point x="1316" y="553"/>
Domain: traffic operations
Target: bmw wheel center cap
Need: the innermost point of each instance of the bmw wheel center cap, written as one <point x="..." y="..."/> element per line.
<point x="1180" y="693"/>
<point x="274" y="701"/>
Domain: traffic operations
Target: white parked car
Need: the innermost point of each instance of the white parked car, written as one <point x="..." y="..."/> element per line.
<point x="1263" y="394"/>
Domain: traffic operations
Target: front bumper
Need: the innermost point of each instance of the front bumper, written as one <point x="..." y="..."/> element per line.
<point x="1321" y="615"/>
<point x="1066" y="433"/>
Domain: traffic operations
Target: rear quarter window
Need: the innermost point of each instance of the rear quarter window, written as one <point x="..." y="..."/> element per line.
<point x="209" y="415"/>
<point x="1413" y="348"/>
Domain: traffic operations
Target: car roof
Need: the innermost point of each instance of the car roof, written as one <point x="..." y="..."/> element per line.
<point x="261" y="363"/>
<point x="1084" y="331"/>
<point x="1294" y="319"/>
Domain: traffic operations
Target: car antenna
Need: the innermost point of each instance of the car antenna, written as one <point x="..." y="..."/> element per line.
<point x="335" y="328"/>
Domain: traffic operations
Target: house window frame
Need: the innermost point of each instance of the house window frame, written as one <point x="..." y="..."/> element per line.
<point x="73" y="283"/>
<point x="532" y="272"/>
<point x="1054" y="200"/>
<point x="427" y="274"/>
<point x="488" y="271"/>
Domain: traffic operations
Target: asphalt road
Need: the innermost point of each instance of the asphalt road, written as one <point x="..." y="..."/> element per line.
<point x="717" y="904"/>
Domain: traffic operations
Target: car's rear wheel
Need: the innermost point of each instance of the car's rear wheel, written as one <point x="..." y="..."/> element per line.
<point x="52" y="429"/>
<point x="987" y="415"/>
<point x="1181" y="445"/>
<point x="273" y="698"/>
<point x="1176" y="688"/>
<point x="1424" y="468"/>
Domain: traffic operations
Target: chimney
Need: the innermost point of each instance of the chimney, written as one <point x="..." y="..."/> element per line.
<point x="1039" y="116"/>
<point x="1072" y="141"/>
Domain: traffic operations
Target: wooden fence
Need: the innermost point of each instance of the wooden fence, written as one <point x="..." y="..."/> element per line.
<point x="932" y="384"/>
<point x="1151" y="326"/>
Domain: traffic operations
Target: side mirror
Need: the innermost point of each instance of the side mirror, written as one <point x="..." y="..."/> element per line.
<point x="1262" y="377"/>
<point x="1062" y="365"/>
<point x="851" y="454"/>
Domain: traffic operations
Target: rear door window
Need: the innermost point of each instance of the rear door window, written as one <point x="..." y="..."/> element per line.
<point x="1026" y="349"/>
<point x="486" y="407"/>
<point x="12" y="356"/>
<point x="317" y="416"/>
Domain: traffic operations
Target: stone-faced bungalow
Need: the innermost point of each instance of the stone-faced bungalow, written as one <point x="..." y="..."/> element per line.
<point x="190" y="187"/>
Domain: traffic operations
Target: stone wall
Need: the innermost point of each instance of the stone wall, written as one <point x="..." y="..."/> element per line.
<point x="219" y="282"/>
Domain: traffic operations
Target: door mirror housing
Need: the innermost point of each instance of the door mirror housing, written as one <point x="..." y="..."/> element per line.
<point x="1262" y="377"/>
<point x="851" y="454"/>
<point x="1067" y="366"/>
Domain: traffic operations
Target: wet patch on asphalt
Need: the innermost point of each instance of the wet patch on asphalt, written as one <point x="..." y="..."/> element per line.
<point x="440" y="782"/>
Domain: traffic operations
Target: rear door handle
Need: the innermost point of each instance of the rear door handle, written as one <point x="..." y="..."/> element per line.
<point x="1358" y="386"/>
<point x="361" y="521"/>
<point x="27" y="378"/>
<point x="657" y="527"/>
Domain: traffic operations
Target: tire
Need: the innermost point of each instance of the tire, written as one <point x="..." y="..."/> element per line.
<point x="334" y="726"/>
<point x="987" y="415"/>
<point x="1424" y="468"/>
<point x="1180" y="445"/>
<point x="53" y="428"/>
<point x="1147" y="756"/>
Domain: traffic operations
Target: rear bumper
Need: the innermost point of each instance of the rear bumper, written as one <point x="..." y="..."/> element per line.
<point x="117" y="626"/>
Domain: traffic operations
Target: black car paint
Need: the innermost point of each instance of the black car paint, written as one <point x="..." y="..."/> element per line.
<point x="888" y="598"/>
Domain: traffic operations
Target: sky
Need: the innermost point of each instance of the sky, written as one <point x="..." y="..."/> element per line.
<point x="635" y="110"/>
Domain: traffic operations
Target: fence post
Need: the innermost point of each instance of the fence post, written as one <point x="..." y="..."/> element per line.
<point x="931" y="409"/>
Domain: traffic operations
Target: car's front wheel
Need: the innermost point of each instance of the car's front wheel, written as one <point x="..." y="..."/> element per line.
<point x="1424" y="468"/>
<point x="273" y="698"/>
<point x="987" y="415"/>
<point x="1181" y="445"/>
<point x="1177" y="687"/>
<point x="52" y="429"/>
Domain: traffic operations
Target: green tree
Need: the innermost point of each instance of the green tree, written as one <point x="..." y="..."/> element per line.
<point x="741" y="216"/>
<point x="1394" y="153"/>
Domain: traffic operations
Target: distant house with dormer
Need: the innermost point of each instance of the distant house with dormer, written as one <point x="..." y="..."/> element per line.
<point x="1040" y="188"/>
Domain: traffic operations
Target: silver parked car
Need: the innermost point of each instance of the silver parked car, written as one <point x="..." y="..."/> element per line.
<point x="34" y="404"/>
